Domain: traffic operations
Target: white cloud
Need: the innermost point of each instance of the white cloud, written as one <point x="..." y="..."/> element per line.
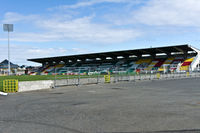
<point x="12" y="17"/>
<point x="79" y="30"/>
<point x="169" y="12"/>
<point x="35" y="37"/>
<point x="90" y="3"/>
<point x="37" y="52"/>
<point x="79" y="51"/>
<point x="179" y="13"/>
<point x="46" y="51"/>
<point x="82" y="29"/>
<point x="20" y="53"/>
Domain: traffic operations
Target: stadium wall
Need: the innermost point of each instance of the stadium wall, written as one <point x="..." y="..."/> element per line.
<point x="48" y="84"/>
<point x="35" y="85"/>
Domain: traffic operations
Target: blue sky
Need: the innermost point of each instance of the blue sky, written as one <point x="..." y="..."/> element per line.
<point x="44" y="28"/>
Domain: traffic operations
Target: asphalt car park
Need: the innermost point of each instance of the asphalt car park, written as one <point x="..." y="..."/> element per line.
<point x="145" y="106"/>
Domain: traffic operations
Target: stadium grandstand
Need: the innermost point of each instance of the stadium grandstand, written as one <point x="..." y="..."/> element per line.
<point x="178" y="58"/>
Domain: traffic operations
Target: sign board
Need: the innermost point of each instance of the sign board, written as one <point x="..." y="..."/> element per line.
<point x="8" y="27"/>
<point x="10" y="85"/>
<point x="107" y="78"/>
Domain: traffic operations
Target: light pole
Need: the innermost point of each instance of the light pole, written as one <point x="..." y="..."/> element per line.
<point x="8" y="28"/>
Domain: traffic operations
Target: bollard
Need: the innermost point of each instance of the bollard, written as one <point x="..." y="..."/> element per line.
<point x="188" y="74"/>
<point x="107" y="78"/>
<point x="97" y="78"/>
<point x="158" y="75"/>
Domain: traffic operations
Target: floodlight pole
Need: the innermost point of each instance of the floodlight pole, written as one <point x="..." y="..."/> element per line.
<point x="8" y="28"/>
<point x="8" y="53"/>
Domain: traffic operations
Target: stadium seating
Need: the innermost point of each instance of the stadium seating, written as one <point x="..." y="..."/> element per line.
<point x="46" y="69"/>
<point x="143" y="63"/>
<point x="186" y="64"/>
<point x="125" y="65"/>
<point x="104" y="67"/>
<point x="133" y="65"/>
<point x="175" y="63"/>
<point x="121" y="62"/>
<point x="155" y="64"/>
<point x="167" y="62"/>
<point x="178" y="60"/>
<point x="51" y="69"/>
<point x="166" y="59"/>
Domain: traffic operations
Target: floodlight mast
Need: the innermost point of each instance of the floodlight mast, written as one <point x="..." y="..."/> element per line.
<point x="8" y="28"/>
<point x="8" y="53"/>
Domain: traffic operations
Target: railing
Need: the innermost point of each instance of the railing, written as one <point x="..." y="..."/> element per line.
<point x="96" y="77"/>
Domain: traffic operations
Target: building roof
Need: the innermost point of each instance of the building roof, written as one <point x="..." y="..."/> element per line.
<point x="4" y="65"/>
<point x="136" y="52"/>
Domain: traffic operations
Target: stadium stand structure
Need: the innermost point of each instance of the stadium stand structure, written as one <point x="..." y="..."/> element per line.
<point x="163" y="59"/>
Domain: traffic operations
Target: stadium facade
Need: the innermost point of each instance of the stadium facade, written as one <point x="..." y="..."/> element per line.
<point x="178" y="58"/>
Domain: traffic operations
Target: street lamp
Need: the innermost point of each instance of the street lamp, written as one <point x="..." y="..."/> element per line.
<point x="8" y="28"/>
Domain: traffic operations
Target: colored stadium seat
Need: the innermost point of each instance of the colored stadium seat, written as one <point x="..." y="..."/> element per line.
<point x="186" y="64"/>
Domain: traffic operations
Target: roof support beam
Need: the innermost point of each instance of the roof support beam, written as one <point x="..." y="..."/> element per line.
<point x="145" y="52"/>
<point x="180" y="50"/>
<point x="162" y="51"/>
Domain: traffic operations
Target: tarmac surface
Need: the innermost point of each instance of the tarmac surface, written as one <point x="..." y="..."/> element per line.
<point x="164" y="106"/>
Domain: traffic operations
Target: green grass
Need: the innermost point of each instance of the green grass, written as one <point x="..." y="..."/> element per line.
<point x="28" y="77"/>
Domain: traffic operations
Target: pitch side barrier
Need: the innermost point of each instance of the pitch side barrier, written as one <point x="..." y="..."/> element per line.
<point x="83" y="76"/>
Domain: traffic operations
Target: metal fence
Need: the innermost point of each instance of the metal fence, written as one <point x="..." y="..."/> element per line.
<point x="81" y="75"/>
